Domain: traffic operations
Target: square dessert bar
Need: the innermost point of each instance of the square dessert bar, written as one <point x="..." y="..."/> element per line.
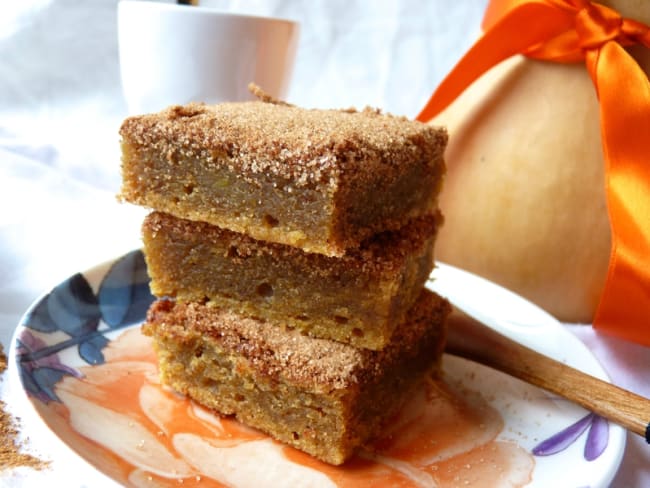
<point x="320" y="180"/>
<point x="358" y="298"/>
<point x="320" y="396"/>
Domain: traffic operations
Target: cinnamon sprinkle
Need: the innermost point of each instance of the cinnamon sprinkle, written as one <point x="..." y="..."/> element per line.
<point x="10" y="450"/>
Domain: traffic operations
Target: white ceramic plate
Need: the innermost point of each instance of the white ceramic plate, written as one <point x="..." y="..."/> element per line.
<point x="79" y="359"/>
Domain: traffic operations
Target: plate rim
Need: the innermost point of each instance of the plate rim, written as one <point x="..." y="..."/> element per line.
<point x="617" y="434"/>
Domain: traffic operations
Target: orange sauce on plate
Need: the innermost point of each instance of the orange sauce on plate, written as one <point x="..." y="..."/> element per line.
<point x="133" y="429"/>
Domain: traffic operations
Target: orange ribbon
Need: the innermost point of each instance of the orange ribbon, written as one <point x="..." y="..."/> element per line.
<point x="580" y="30"/>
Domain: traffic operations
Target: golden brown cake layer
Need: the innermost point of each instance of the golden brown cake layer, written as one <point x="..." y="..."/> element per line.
<point x="321" y="180"/>
<point x="358" y="298"/>
<point x="320" y="396"/>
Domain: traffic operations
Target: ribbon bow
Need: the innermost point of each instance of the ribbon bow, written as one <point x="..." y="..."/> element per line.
<point x="572" y="31"/>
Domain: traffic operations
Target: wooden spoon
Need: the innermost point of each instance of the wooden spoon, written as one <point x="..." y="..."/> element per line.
<point x="481" y="306"/>
<point x="472" y="340"/>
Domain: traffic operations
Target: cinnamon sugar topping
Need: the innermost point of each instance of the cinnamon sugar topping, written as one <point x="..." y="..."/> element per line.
<point x="287" y="354"/>
<point x="381" y="254"/>
<point x="304" y="145"/>
<point x="10" y="451"/>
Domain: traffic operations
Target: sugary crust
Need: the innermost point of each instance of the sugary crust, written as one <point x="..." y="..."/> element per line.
<point x="288" y="356"/>
<point x="383" y="253"/>
<point x="304" y="146"/>
<point x="321" y="180"/>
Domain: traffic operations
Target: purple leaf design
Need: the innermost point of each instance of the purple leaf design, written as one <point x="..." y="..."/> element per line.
<point x="29" y="343"/>
<point x="564" y="438"/>
<point x="40" y="373"/>
<point x="595" y="445"/>
<point x="597" y="438"/>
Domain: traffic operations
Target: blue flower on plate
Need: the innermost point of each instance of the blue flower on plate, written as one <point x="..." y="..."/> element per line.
<point x="595" y="445"/>
<point x="84" y="317"/>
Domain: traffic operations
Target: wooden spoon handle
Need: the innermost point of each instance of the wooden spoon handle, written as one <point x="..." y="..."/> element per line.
<point x="472" y="340"/>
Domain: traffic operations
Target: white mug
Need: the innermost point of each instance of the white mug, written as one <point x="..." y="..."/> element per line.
<point x="175" y="54"/>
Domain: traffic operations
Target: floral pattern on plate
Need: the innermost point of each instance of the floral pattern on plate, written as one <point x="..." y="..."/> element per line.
<point x="73" y="308"/>
<point x="595" y="445"/>
<point x="93" y="379"/>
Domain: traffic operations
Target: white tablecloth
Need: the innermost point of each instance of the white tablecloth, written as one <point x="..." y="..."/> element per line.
<point x="61" y="106"/>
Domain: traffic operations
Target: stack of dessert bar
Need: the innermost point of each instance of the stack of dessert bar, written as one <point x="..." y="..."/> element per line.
<point x="289" y="249"/>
